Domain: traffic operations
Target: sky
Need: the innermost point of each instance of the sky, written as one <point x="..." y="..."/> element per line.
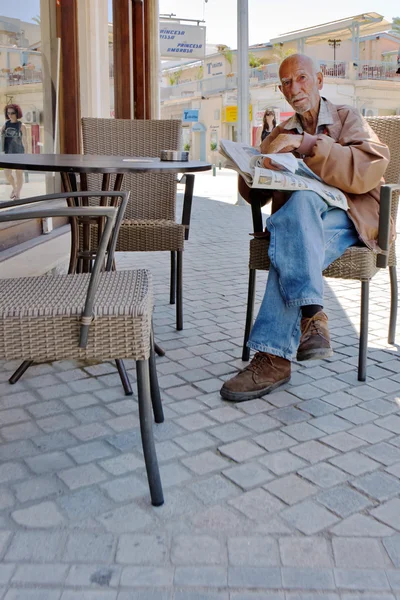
<point x="266" y="19"/>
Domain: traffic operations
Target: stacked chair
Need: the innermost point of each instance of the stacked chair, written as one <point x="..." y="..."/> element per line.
<point x="358" y="262"/>
<point x="150" y="223"/>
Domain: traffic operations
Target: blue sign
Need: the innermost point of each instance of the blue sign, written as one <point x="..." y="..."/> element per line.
<point x="190" y="115"/>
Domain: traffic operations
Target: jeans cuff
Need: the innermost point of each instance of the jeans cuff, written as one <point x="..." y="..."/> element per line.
<point x="305" y="301"/>
<point x="270" y="350"/>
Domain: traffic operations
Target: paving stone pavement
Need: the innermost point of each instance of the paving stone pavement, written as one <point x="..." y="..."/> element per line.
<point x="295" y="496"/>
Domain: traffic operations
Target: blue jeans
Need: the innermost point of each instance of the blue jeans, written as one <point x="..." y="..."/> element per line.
<point x="307" y="235"/>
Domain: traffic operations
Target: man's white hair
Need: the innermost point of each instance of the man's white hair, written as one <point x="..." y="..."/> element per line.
<point x="315" y="67"/>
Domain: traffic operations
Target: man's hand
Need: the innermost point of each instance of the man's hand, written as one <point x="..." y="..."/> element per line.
<point x="284" y="142"/>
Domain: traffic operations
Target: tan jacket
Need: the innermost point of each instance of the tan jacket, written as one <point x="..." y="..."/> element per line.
<point x="352" y="159"/>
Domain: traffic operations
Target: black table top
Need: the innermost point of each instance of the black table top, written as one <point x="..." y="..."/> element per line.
<point x="88" y="163"/>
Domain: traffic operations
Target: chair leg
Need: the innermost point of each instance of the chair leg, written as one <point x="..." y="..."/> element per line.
<point x="154" y="387"/>
<point x="172" y="285"/>
<point x="362" y="354"/>
<point x="124" y="377"/>
<point x="20" y="371"/>
<point x="158" y="350"/>
<point x="146" y="429"/>
<point x="394" y="299"/>
<point x="179" y="298"/>
<point x="249" y="313"/>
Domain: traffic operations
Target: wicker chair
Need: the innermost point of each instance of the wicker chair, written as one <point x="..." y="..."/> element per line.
<point x="94" y="316"/>
<point x="358" y="262"/>
<point x="150" y="219"/>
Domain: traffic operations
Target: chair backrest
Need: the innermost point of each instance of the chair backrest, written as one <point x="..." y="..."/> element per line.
<point x="153" y="196"/>
<point x="388" y="131"/>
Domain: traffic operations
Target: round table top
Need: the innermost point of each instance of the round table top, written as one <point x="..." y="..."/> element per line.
<point x="89" y="163"/>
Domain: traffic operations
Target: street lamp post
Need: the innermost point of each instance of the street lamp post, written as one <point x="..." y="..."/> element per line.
<point x="335" y="44"/>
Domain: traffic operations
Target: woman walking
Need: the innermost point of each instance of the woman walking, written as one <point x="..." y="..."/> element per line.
<point x="13" y="135"/>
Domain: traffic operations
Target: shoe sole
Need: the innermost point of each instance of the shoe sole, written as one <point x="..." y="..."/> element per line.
<point x="314" y="354"/>
<point x="244" y="396"/>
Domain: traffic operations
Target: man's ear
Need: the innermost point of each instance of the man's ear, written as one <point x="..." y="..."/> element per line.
<point x="320" y="80"/>
<point x="280" y="88"/>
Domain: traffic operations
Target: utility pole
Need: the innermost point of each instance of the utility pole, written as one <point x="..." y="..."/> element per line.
<point x="335" y="43"/>
<point x="243" y="75"/>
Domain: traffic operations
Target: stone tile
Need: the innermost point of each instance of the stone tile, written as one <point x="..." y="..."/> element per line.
<point x="384" y="453"/>
<point x="343" y="441"/>
<point x="308" y="517"/>
<point x="214" y="489"/>
<point x="254" y="577"/>
<point x="253" y="551"/>
<point x="275" y="440"/>
<point x="361" y="579"/>
<point x="282" y="463"/>
<point x="310" y="579"/>
<point x="201" y="577"/>
<point x="313" y="451"/>
<point x="197" y="550"/>
<point x="360" y="553"/>
<point x="194" y="422"/>
<point x="248" y="475"/>
<point x="371" y="433"/>
<point x="317" y="408"/>
<point x="341" y="399"/>
<point x="89" y="547"/>
<point x="85" y="453"/>
<point x="49" y="462"/>
<point x="361" y="526"/>
<point x="324" y="475"/>
<point x="388" y="513"/>
<point x="302" y="432"/>
<point x="205" y="462"/>
<point x="195" y="441"/>
<point x="12" y="471"/>
<point x="311" y="552"/>
<point x="289" y="415"/>
<point x="32" y="594"/>
<point x="291" y="489"/>
<point x="125" y="488"/>
<point x="378" y="485"/>
<point x="77" y="477"/>
<point x="356" y="415"/>
<point x="241" y="451"/>
<point x="258" y="505"/>
<point x="124" y="463"/>
<point x="138" y="549"/>
<point x="229" y="432"/>
<point x="343" y="501"/>
<point x="84" y="504"/>
<point x="330" y="424"/>
<point x="392" y="546"/>
<point x="43" y="515"/>
<point x="126" y="519"/>
<point x="354" y="463"/>
<point x="36" y="546"/>
<point x="260" y="423"/>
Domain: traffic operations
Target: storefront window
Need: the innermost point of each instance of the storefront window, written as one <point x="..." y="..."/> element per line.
<point x="21" y="89"/>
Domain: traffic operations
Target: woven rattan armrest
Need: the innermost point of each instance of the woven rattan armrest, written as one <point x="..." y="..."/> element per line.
<point x="71" y="195"/>
<point x="384" y="223"/>
<point x="109" y="213"/>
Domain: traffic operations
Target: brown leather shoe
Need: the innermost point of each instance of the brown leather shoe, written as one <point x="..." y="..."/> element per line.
<point x="314" y="342"/>
<point x="263" y="374"/>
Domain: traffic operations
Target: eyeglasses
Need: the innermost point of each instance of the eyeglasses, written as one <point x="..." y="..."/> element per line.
<point x="11" y="112"/>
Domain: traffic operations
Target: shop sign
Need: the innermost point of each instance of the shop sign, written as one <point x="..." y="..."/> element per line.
<point x="182" y="41"/>
<point x="230" y="113"/>
<point x="190" y="115"/>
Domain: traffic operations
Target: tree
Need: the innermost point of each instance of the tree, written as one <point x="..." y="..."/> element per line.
<point x="254" y="61"/>
<point x="36" y="19"/>
<point x="200" y="72"/>
<point x="396" y="24"/>
<point x="227" y="53"/>
<point x="280" y="54"/>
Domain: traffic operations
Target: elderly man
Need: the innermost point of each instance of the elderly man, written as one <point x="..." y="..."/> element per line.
<point x="306" y="234"/>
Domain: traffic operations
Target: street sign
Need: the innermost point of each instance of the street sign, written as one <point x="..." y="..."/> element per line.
<point x="182" y="41"/>
<point x="190" y="115"/>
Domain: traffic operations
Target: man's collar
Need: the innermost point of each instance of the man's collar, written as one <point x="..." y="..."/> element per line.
<point x="324" y="118"/>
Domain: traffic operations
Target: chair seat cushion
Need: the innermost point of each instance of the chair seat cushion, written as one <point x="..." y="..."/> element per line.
<point x="150" y="236"/>
<point x="40" y="317"/>
<point x="358" y="262"/>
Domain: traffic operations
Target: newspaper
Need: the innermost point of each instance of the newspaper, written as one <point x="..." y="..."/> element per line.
<point x="294" y="175"/>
